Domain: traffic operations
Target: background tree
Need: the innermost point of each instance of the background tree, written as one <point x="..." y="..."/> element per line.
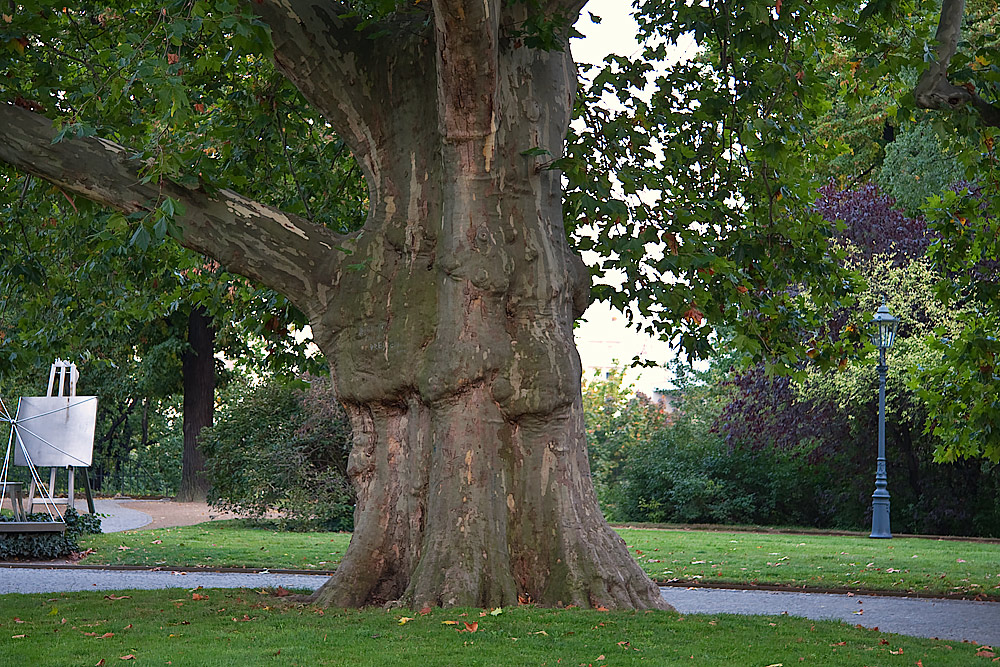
<point x="619" y="421"/>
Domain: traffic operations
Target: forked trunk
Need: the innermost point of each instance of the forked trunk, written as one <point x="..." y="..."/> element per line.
<point x="453" y="349"/>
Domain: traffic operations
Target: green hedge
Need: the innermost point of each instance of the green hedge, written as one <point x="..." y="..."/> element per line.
<point x="33" y="546"/>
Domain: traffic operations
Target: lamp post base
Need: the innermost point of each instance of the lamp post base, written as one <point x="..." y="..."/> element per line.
<point x="880" y="518"/>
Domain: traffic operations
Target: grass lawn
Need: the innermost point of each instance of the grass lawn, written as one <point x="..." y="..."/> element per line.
<point x="816" y="561"/>
<point x="246" y="627"/>
<point x="819" y="561"/>
<point x="235" y="543"/>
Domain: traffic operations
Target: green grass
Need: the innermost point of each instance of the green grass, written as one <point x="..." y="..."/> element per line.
<point x="819" y="561"/>
<point x="235" y="543"/>
<point x="247" y="627"/>
<point x="811" y="561"/>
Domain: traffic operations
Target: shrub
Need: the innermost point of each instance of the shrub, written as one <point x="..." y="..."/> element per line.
<point x="32" y="546"/>
<point x="279" y="447"/>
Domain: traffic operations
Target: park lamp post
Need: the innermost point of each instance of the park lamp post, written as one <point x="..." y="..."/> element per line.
<point x="883" y="333"/>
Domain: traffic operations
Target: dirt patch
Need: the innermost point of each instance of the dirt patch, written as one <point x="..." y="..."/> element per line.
<point x="170" y="513"/>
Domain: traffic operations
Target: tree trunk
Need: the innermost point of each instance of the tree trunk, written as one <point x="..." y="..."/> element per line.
<point x="198" y="367"/>
<point x="448" y="321"/>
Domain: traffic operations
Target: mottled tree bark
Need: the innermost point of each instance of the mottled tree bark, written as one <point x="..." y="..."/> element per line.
<point x="198" y="372"/>
<point x="453" y="350"/>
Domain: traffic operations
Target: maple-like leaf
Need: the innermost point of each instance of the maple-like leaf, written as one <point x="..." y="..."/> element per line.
<point x="405" y="619"/>
<point x="692" y="314"/>
<point x="198" y="596"/>
<point x="471" y="627"/>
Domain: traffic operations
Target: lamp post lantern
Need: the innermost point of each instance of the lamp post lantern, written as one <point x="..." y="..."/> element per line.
<point x="883" y="334"/>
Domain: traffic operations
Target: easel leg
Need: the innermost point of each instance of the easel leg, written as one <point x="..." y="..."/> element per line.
<point x="87" y="490"/>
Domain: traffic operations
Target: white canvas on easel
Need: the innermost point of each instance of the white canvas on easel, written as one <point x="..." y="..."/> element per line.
<point x="55" y="431"/>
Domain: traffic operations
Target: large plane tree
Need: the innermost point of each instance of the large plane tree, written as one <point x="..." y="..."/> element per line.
<point x="447" y="316"/>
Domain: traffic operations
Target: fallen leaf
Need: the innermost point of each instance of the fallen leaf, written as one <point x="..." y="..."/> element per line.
<point x="157" y="541"/>
<point x="281" y="592"/>
<point x="985" y="654"/>
<point x="405" y="619"/>
<point x="425" y="611"/>
<point x="100" y="663"/>
<point x="18" y="636"/>
<point x="497" y="611"/>
<point x="198" y="596"/>
<point x="600" y="609"/>
<point x="129" y="626"/>
<point x="116" y="597"/>
<point x="127" y="657"/>
<point x="899" y="652"/>
<point x="449" y="622"/>
<point x="18" y="620"/>
<point x="471" y="627"/>
<point x="839" y="644"/>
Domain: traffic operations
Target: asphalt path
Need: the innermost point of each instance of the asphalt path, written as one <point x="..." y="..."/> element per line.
<point x="919" y="617"/>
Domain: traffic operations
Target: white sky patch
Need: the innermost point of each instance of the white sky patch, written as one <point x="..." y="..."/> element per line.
<point x="603" y="337"/>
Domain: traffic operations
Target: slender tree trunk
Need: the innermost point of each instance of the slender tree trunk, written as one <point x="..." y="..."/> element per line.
<point x="199" y="403"/>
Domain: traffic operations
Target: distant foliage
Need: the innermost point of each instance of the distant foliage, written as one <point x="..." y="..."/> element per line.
<point x="872" y="222"/>
<point x="687" y="473"/>
<point x="767" y="414"/>
<point x="619" y="422"/>
<point x="280" y="448"/>
<point x="916" y="167"/>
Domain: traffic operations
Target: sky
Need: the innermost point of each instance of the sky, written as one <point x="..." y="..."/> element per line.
<point x="602" y="336"/>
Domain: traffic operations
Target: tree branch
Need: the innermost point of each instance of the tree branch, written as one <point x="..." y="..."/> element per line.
<point x="281" y="250"/>
<point x="933" y="89"/>
<point x="357" y="74"/>
<point x="467" y="35"/>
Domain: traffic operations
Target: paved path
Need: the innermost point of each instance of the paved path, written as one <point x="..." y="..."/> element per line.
<point x="945" y="619"/>
<point x="52" y="580"/>
<point x="117" y="518"/>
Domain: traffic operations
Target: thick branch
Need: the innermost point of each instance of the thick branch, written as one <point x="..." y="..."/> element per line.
<point x="358" y="75"/>
<point x="468" y="51"/>
<point x="934" y="90"/>
<point x="278" y="249"/>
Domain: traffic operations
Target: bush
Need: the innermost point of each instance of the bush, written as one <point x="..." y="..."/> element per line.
<point x="278" y="447"/>
<point x="32" y="546"/>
